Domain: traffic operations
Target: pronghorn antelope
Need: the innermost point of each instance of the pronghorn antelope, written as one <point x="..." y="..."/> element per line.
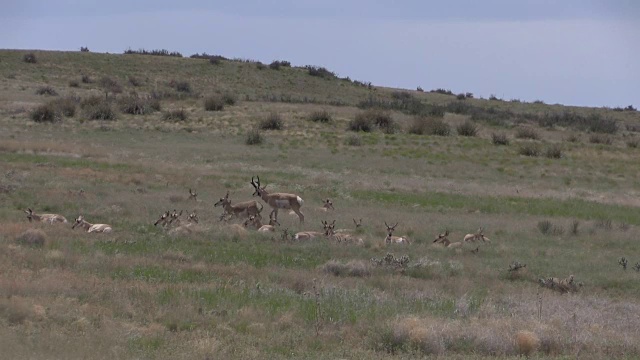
<point x="255" y="221"/>
<point x="98" y="228"/>
<point x="442" y="237"/>
<point x="390" y="239"/>
<point x="175" y="217"/>
<point x="193" y="217"/>
<point x="308" y="235"/>
<point x="193" y="195"/>
<point x="358" y="223"/>
<point x="562" y="285"/>
<point x="243" y="209"/>
<point x="479" y="235"/>
<point x="164" y="218"/>
<point x="444" y="240"/>
<point x="331" y="234"/>
<point x="278" y="200"/>
<point x="327" y="205"/>
<point x="48" y="218"/>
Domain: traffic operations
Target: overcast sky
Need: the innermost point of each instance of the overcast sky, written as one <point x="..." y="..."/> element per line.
<point x="577" y="52"/>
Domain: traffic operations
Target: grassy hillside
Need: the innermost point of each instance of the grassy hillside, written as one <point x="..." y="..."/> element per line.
<point x="554" y="187"/>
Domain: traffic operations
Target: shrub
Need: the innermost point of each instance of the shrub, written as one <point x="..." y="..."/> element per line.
<point x="442" y="91"/>
<point x="137" y="105"/>
<point x="45" y="113"/>
<point x="161" y="52"/>
<point x="229" y="99"/>
<point x="66" y="106"/>
<point x="600" y="139"/>
<point x="84" y="49"/>
<point x="493" y="97"/>
<point x="356" y="268"/>
<point x="272" y="122"/>
<point x="633" y="143"/>
<point x="630" y="108"/>
<point x="461" y="96"/>
<point x="30" y="58"/>
<point x="365" y="121"/>
<point x="320" y="72"/>
<point x="547" y="228"/>
<point x="598" y="124"/>
<point x="529" y="150"/>
<point x="469" y="95"/>
<point x="213" y="103"/>
<point x="419" y="89"/>
<point x="32" y="237"/>
<point x="553" y="152"/>
<point x="97" y="108"/>
<point x="74" y="83"/>
<point x="429" y="126"/>
<point x="467" y="128"/>
<point x="353" y="140"/>
<point x="180" y="86"/>
<point x="175" y="115"/>
<point x="261" y="66"/>
<point x="320" y="116"/>
<point x="134" y="81"/>
<point x="527" y="133"/>
<point x="538" y="102"/>
<point x="254" y="137"/>
<point x="86" y="79"/>
<point x="110" y="85"/>
<point x="276" y="65"/>
<point x="216" y="60"/>
<point x="499" y="139"/>
<point x="572" y="138"/>
<point x="46" y="90"/>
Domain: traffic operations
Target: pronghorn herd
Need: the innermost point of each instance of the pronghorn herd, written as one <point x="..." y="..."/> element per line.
<point x="250" y="212"/>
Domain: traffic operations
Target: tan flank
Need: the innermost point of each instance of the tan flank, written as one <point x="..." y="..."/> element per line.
<point x="257" y="223"/>
<point x="390" y="239"/>
<point x="479" y="235"/>
<point x="98" y="228"/>
<point x="278" y="200"/>
<point x="46" y="218"/>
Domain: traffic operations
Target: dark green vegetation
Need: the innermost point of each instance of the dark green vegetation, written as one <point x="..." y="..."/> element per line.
<point x="560" y="194"/>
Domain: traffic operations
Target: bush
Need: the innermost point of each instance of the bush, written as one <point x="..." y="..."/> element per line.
<point x="600" y="139"/>
<point x="633" y="143"/>
<point x="499" y="139"/>
<point x="32" y="237"/>
<point x="30" y="58"/>
<point x="353" y="140"/>
<point x="493" y="98"/>
<point x="74" y="83"/>
<point x="45" y="113"/>
<point x="97" y="108"/>
<point x="320" y="72"/>
<point x="134" y="81"/>
<point x="553" y="152"/>
<point x="429" y="126"/>
<point x="86" y="79"/>
<point x="110" y="85"/>
<point x="573" y="138"/>
<point x="213" y="103"/>
<point x="216" y="60"/>
<point x="180" y="86"/>
<point x="467" y="128"/>
<point x="229" y="99"/>
<point x="356" y="268"/>
<point x="419" y="89"/>
<point x="66" y="106"/>
<point x="320" y="116"/>
<point x="272" y="122"/>
<point x="136" y="105"/>
<point x="46" y="90"/>
<point x="547" y="228"/>
<point x="527" y="133"/>
<point x="442" y="91"/>
<point x="254" y="137"/>
<point x="161" y="52"/>
<point x="529" y="150"/>
<point x="276" y="65"/>
<point x="366" y="120"/>
<point x="261" y="66"/>
<point x="175" y="115"/>
<point x="84" y="49"/>
<point x="461" y="96"/>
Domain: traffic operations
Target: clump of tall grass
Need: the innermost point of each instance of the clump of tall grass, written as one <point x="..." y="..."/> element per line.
<point x="547" y="228"/>
<point x="214" y="103"/>
<point x="600" y="139"/>
<point x="554" y="151"/>
<point x="423" y="125"/>
<point x="355" y="268"/>
<point x="467" y="128"/>
<point x="254" y="137"/>
<point x="98" y="108"/>
<point x="45" y="113"/>
<point x="181" y="86"/>
<point x="527" y="133"/>
<point x="176" y="115"/>
<point x="137" y="105"/>
<point x="32" y="238"/>
<point x="273" y="121"/>
<point x="322" y="116"/>
<point x="499" y="139"/>
<point x="46" y="90"/>
<point x="529" y="150"/>
<point x="353" y="140"/>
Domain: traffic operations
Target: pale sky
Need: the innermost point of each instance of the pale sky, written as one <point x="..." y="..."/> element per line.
<point x="574" y="52"/>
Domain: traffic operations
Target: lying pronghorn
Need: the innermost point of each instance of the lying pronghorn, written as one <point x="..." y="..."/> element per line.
<point x="358" y="223"/>
<point x="243" y="209"/>
<point x="327" y="205"/>
<point x="308" y="235"/>
<point x="193" y="217"/>
<point x="50" y="218"/>
<point x="175" y="217"/>
<point x="444" y="240"/>
<point x="331" y="234"/>
<point x="99" y="228"/>
<point x="561" y="285"/>
<point x="278" y="200"/>
<point x="479" y="235"/>
<point x="255" y="221"/>
<point x="390" y="239"/>
<point x="193" y="195"/>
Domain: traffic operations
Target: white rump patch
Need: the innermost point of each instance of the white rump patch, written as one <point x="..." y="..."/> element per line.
<point x="300" y="201"/>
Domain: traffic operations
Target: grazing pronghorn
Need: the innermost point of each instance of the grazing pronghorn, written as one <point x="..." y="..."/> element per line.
<point x="193" y="195"/>
<point x="164" y="218"/>
<point x="358" y="223"/>
<point x="331" y="234"/>
<point x="479" y="235"/>
<point x="390" y="239"/>
<point x="279" y="200"/>
<point x="99" y="228"/>
<point x="257" y="223"/>
<point x="49" y="218"/>
<point x="243" y="209"/>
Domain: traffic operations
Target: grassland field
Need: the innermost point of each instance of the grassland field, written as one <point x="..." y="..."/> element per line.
<point x="214" y="290"/>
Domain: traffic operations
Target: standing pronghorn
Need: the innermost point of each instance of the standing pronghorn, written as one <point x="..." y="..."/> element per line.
<point x="193" y="195"/>
<point x="243" y="209"/>
<point x="278" y="200"/>
<point x="99" y="228"/>
<point x="49" y="218"/>
<point x="390" y="239"/>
